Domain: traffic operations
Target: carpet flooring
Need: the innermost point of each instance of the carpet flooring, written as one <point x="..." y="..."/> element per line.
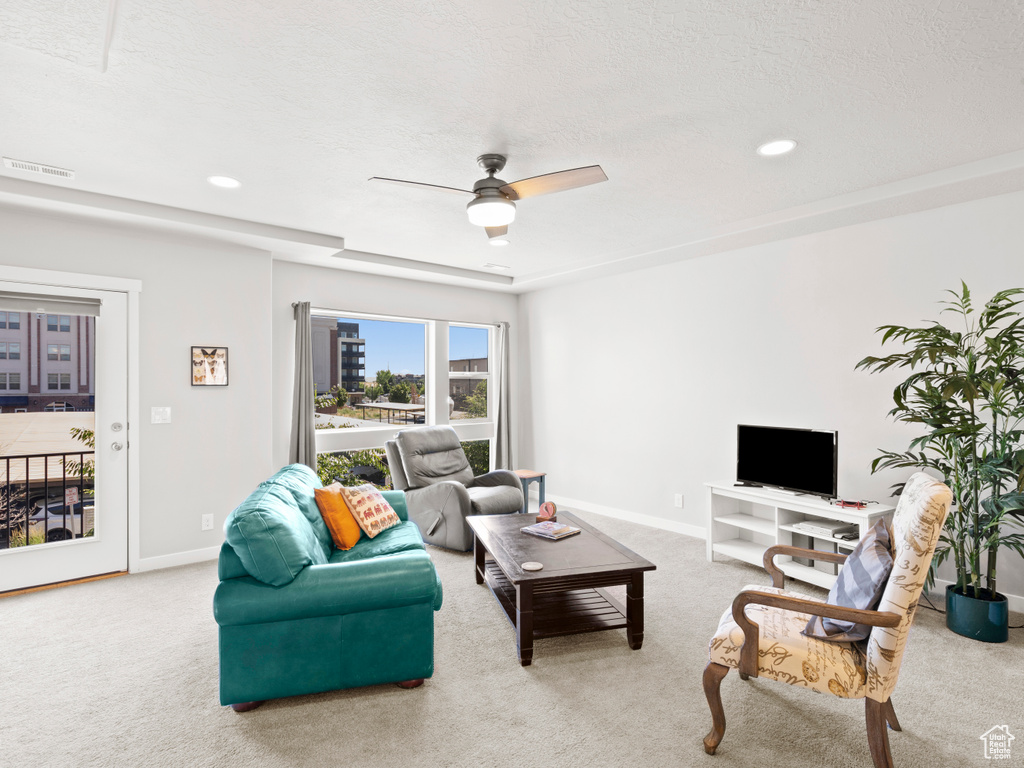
<point x="123" y="672"/>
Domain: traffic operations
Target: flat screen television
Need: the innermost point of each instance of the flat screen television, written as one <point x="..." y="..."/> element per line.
<point x="801" y="460"/>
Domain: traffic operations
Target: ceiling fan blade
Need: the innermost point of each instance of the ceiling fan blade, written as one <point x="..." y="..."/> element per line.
<point x="493" y="232"/>
<point x="554" y="182"/>
<point x="421" y="184"/>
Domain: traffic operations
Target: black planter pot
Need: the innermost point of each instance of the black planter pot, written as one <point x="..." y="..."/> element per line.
<point x="984" y="618"/>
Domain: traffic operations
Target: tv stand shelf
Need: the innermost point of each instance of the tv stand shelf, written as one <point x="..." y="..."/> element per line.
<point x="742" y="522"/>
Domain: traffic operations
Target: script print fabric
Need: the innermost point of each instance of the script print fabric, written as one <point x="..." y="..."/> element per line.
<point x="787" y="655"/>
<point x="916" y="527"/>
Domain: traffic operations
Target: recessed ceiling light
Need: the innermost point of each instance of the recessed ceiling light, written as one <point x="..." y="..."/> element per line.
<point x="779" y="147"/>
<point x="490" y="265"/>
<point x="224" y="181"/>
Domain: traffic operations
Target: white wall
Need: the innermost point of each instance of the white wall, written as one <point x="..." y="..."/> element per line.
<point x="218" y="445"/>
<point x="631" y="386"/>
<point x="357" y="292"/>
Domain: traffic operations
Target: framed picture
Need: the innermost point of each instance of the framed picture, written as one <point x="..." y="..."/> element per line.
<point x="209" y="366"/>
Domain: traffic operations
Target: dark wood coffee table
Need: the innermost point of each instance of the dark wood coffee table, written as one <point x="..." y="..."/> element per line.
<point x="566" y="597"/>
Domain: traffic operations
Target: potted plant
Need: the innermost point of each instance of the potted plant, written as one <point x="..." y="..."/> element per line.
<point x="967" y="392"/>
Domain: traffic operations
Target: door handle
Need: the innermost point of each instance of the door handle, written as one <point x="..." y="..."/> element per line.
<point x="117" y="446"/>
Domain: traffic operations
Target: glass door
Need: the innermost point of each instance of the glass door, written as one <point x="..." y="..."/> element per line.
<point x="63" y="434"/>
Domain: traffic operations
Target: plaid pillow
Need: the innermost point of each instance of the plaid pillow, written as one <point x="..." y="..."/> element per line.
<point x="860" y="585"/>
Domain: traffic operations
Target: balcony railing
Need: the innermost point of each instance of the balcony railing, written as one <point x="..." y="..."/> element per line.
<point x="33" y="490"/>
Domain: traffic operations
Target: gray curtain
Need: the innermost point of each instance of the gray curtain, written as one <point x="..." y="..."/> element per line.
<point x="503" y="439"/>
<point x="303" y="444"/>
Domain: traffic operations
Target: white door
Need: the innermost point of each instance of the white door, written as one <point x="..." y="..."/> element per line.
<point x="57" y="521"/>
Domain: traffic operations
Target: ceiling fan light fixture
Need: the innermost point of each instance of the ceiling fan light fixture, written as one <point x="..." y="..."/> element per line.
<point x="498" y="242"/>
<point x="778" y="147"/>
<point x="491" y="211"/>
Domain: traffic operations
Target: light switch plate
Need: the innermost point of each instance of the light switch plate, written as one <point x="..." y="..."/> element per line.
<point x="160" y="415"/>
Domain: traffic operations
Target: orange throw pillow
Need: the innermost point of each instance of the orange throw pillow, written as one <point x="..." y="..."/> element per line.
<point x="344" y="529"/>
<point x="370" y="510"/>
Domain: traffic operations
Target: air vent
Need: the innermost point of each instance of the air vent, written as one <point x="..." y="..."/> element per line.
<point x="45" y="170"/>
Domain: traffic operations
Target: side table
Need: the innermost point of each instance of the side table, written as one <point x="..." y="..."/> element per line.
<point x="527" y="476"/>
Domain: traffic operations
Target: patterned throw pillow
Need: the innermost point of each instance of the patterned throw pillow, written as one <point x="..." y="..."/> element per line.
<point x="370" y="509"/>
<point x="860" y="584"/>
<point x="343" y="527"/>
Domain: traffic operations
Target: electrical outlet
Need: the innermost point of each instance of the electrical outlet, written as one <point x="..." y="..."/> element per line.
<point x="160" y="415"/>
<point x="207" y="522"/>
<point x="679" y="501"/>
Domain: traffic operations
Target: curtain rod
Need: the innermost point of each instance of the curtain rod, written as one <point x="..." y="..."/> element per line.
<point x="372" y="316"/>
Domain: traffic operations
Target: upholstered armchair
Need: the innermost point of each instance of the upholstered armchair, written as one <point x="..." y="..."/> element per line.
<point x="761" y="635"/>
<point x="428" y="463"/>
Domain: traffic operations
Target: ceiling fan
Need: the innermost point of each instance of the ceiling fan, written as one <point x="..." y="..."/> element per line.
<point x="493" y="205"/>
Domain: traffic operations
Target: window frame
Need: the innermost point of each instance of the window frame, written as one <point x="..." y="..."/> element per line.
<point x="436" y="377"/>
<point x="486" y="375"/>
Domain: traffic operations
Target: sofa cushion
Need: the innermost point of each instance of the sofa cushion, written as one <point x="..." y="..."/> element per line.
<point x="272" y="537"/>
<point x="370" y="509"/>
<point x="404" y="537"/>
<point x="335" y="512"/>
<point x="300" y="481"/>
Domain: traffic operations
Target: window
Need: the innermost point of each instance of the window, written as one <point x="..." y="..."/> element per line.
<point x="60" y="323"/>
<point x="14" y="350"/>
<point x="10" y="381"/>
<point x="58" y="381"/>
<point x="395" y="375"/>
<point x="52" y="351"/>
<point x="3" y="381"/>
<point x="13" y="320"/>
<point x="468" y="371"/>
<point x="384" y="359"/>
<point x="3" y="350"/>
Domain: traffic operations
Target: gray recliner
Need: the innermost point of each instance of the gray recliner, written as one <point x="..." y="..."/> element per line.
<point x="428" y="463"/>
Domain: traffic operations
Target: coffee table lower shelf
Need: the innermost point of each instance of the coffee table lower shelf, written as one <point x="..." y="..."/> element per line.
<point x="558" y="610"/>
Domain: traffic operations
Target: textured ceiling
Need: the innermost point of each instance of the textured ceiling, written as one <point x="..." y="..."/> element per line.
<point x="304" y="100"/>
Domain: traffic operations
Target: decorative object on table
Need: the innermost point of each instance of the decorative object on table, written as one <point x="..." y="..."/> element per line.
<point x="762" y="633"/>
<point x="550" y="530"/>
<point x="548" y="512"/>
<point x="209" y="366"/>
<point x="533" y="566"/>
<point x="967" y="391"/>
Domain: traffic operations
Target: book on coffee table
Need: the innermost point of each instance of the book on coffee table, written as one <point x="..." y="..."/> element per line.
<point x="550" y="530"/>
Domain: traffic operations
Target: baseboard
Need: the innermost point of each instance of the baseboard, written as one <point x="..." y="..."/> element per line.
<point x="177" y="558"/>
<point x="696" y="531"/>
<point x="1014" y="602"/>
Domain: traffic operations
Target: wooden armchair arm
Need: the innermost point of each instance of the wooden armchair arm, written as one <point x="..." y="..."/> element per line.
<point x="748" y="653"/>
<point x="778" y="577"/>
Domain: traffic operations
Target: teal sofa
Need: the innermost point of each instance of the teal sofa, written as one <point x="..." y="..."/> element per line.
<point x="296" y="615"/>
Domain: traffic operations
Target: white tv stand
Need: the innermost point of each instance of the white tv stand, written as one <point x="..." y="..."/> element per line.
<point x="742" y="522"/>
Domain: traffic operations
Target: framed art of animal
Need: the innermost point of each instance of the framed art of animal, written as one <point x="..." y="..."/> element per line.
<point x="209" y="366"/>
